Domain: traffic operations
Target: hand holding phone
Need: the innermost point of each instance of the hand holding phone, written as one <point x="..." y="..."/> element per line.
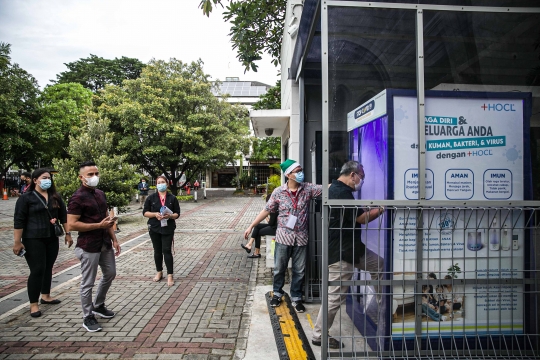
<point x="18" y="248"/>
<point x="106" y="223"/>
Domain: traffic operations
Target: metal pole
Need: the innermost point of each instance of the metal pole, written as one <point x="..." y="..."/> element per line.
<point x="325" y="161"/>
<point x="420" y="105"/>
<point x="301" y="99"/>
<point x="421" y="173"/>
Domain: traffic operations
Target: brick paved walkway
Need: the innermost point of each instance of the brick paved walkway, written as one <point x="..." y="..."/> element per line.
<point x="204" y="316"/>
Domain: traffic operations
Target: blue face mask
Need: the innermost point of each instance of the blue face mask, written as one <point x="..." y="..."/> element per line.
<point x="161" y="187"/>
<point x="45" y="184"/>
<point x="299" y="177"/>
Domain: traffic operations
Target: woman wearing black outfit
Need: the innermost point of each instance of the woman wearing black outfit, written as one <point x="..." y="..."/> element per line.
<point x="162" y="236"/>
<point x="261" y="230"/>
<point x="34" y="232"/>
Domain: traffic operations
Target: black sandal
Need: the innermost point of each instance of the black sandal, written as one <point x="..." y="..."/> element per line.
<point x="248" y="250"/>
<point x="254" y="256"/>
<point x="52" y="302"/>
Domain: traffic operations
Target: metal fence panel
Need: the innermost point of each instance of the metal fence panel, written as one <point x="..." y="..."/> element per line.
<point x="489" y="302"/>
<point x="475" y="294"/>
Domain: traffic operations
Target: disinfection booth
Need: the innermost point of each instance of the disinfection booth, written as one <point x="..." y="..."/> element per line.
<point x="477" y="148"/>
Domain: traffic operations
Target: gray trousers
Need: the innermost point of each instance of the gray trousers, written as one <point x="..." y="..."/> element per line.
<point x="344" y="271"/>
<point x="89" y="267"/>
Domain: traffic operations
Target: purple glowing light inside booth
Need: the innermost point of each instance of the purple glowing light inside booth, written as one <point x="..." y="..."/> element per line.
<point x="370" y="147"/>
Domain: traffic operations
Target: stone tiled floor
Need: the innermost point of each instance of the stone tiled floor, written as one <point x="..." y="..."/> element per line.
<point x="203" y="316"/>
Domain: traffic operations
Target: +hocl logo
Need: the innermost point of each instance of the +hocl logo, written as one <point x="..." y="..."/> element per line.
<point x="498" y="107"/>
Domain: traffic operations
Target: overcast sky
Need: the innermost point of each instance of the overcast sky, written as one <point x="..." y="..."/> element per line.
<point x="45" y="34"/>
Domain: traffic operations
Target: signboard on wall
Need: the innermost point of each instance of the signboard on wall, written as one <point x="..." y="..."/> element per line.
<point x="368" y="111"/>
<point x="474" y="151"/>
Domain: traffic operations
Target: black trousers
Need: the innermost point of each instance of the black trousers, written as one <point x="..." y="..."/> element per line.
<point x="162" y="250"/>
<point x="262" y="230"/>
<point x="40" y="255"/>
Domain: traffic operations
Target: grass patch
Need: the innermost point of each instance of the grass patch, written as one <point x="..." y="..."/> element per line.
<point x="183" y="198"/>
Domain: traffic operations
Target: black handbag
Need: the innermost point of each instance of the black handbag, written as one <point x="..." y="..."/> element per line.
<point x="58" y="229"/>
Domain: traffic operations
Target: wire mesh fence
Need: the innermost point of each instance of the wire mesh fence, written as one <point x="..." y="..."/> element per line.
<point x="467" y="289"/>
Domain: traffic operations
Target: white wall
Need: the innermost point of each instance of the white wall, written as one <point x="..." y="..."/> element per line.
<point x="289" y="88"/>
<point x="294" y="9"/>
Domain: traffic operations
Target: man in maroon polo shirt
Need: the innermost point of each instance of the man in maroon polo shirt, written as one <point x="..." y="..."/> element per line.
<point x="96" y="245"/>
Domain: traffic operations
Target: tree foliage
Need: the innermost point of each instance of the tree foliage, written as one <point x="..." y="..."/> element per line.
<point x="61" y="107"/>
<point x="206" y="6"/>
<point x="19" y="113"/>
<point x="95" y="142"/>
<point x="5" y="50"/>
<point x="35" y="125"/>
<point x="256" y="27"/>
<point x="95" y="72"/>
<point x="270" y="100"/>
<point x="274" y="181"/>
<point x="265" y="149"/>
<point x="169" y="122"/>
<point x="268" y="148"/>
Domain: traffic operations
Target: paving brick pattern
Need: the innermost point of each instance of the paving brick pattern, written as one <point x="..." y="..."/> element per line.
<point x="130" y="225"/>
<point x="203" y="316"/>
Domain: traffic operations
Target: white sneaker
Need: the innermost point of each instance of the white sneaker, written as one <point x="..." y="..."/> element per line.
<point x="443" y="318"/>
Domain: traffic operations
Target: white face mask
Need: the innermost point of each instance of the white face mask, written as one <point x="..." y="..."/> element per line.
<point x="92" y="181"/>
<point x="358" y="186"/>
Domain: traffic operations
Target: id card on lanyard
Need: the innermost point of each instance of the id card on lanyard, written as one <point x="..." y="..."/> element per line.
<point x="163" y="221"/>
<point x="291" y="220"/>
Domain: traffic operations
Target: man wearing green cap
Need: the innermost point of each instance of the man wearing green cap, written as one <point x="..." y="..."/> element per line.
<point x="291" y="201"/>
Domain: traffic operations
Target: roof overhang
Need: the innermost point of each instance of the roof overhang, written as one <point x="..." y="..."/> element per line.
<point x="275" y="119"/>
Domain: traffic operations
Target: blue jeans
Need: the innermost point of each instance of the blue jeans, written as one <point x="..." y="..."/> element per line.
<point x="282" y="254"/>
<point x="434" y="315"/>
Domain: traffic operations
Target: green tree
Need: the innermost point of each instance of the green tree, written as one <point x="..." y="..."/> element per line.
<point x="95" y="142"/>
<point x="95" y="72"/>
<point x="169" y="122"/>
<point x="256" y="27"/>
<point x="270" y="100"/>
<point x="61" y="107"/>
<point x="19" y="114"/>
<point x="5" y="50"/>
<point x="267" y="148"/>
<point x="274" y="181"/>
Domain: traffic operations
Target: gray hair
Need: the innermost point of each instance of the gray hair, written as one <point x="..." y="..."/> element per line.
<point x="350" y="167"/>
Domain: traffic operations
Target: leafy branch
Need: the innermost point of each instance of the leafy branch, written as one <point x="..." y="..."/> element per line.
<point x="256" y="28"/>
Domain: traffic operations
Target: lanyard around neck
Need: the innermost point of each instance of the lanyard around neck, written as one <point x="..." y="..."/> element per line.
<point x="162" y="199"/>
<point x="295" y="200"/>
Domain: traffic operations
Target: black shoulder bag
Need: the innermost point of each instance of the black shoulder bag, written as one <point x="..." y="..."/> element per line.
<point x="58" y="229"/>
